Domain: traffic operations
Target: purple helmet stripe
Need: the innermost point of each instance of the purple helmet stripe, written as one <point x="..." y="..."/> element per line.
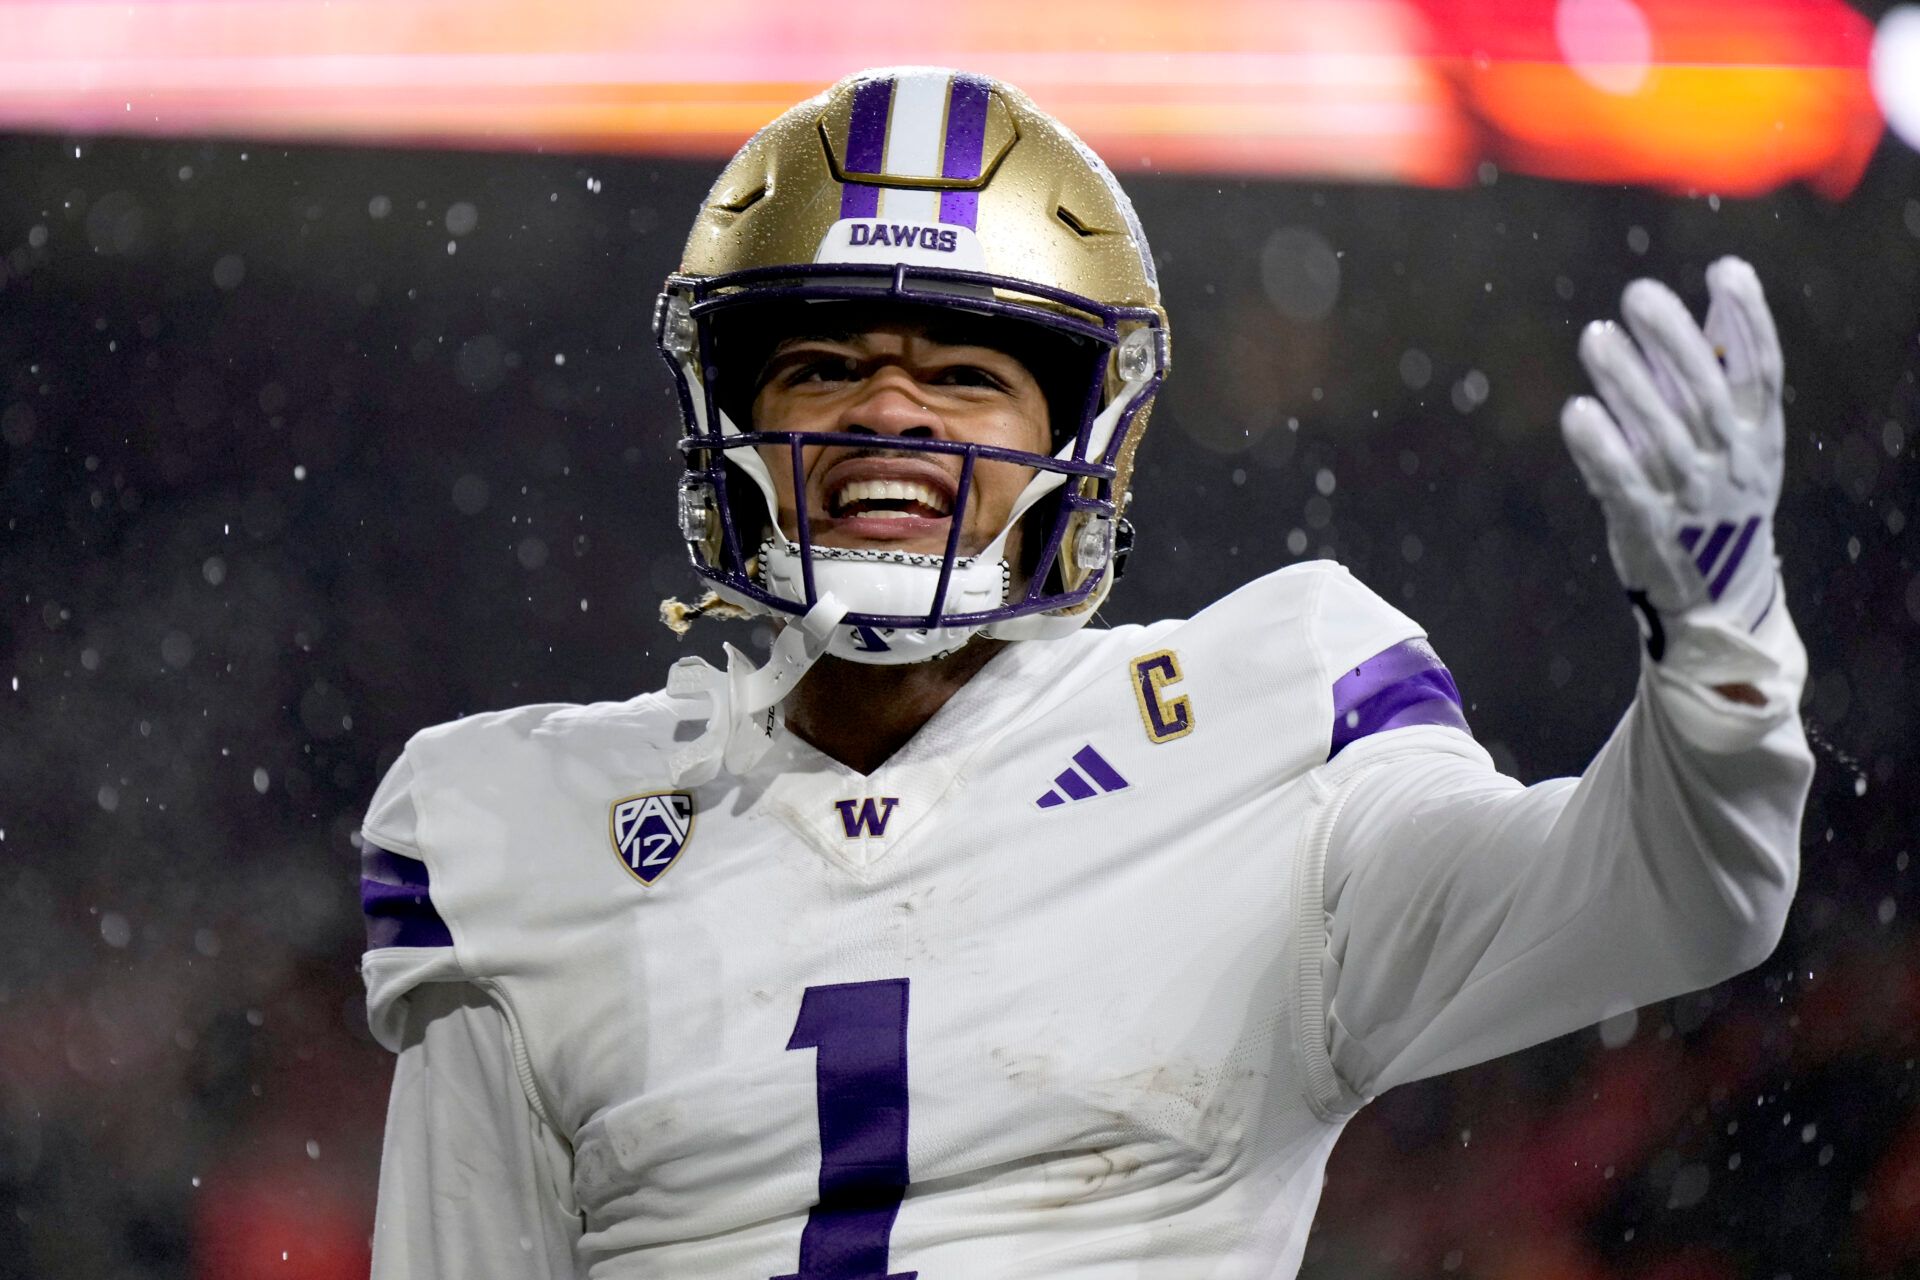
<point x="966" y="140"/>
<point x="395" y="897"/>
<point x="866" y="146"/>
<point x="867" y="130"/>
<point x="1397" y="687"/>
<point x="1734" y="557"/>
<point x="1098" y="769"/>
<point x="961" y="208"/>
<point x="966" y="128"/>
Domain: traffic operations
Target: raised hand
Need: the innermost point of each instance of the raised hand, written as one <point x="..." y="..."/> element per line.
<point x="1683" y="449"/>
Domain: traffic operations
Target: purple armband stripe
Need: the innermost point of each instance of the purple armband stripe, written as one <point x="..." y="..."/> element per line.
<point x="395" y="897"/>
<point x="1395" y="688"/>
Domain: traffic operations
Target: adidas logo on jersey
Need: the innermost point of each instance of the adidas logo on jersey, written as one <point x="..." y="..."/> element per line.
<point x="1093" y="777"/>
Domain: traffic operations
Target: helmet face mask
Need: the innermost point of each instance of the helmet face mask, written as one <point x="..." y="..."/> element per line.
<point x="1099" y="352"/>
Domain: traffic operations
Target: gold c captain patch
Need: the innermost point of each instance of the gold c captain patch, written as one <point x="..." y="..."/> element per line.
<point x="650" y="831"/>
<point x="1164" y="719"/>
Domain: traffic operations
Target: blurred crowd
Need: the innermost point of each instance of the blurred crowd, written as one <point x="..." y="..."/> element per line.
<point x="304" y="449"/>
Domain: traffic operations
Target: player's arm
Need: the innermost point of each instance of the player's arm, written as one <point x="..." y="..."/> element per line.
<point x="474" y="1182"/>
<point x="1469" y="916"/>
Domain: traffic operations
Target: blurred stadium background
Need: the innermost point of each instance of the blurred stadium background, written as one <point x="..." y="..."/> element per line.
<point x="329" y="411"/>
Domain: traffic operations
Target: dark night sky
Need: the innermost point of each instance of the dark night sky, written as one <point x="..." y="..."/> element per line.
<point x="305" y="449"/>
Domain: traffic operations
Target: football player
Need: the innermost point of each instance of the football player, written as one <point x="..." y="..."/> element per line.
<point x="960" y="939"/>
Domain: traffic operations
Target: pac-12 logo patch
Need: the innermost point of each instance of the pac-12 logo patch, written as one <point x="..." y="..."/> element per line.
<point x="650" y="831"/>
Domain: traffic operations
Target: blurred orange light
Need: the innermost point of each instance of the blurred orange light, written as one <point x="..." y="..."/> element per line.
<point x="1735" y="98"/>
<point x="1686" y="94"/>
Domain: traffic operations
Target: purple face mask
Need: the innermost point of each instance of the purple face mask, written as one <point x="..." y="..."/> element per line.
<point x="1077" y="482"/>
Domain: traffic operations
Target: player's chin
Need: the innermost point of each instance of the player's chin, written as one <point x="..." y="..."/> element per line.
<point x="923" y="534"/>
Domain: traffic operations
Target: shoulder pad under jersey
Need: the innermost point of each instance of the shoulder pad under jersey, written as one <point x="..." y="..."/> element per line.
<point x="451" y="839"/>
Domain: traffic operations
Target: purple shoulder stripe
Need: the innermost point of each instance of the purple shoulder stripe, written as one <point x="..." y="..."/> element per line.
<point x="394" y="895"/>
<point x="1397" y="687"/>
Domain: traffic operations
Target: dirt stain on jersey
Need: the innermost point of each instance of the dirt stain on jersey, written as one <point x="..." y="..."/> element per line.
<point x="1089" y="1175"/>
<point x="1028" y="1070"/>
<point x="916" y="900"/>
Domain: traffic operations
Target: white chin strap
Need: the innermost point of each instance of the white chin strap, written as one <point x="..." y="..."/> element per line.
<point x="889" y="582"/>
<point x="744" y="700"/>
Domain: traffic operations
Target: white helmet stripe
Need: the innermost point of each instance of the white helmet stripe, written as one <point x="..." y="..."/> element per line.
<point x="916" y="123"/>
<point x="916" y="128"/>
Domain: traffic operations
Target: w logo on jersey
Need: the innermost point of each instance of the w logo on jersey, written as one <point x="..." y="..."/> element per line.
<point x="866" y="817"/>
<point x="649" y="831"/>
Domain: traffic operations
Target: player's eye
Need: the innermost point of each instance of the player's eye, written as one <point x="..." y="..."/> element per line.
<point x="970" y="375"/>
<point x="818" y="369"/>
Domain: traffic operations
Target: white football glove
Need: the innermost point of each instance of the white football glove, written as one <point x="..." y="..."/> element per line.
<point x="1685" y="454"/>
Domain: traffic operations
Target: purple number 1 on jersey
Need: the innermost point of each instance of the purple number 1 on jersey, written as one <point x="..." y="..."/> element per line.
<point x="859" y="1030"/>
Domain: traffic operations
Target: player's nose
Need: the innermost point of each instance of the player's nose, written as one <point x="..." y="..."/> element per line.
<point x="890" y="404"/>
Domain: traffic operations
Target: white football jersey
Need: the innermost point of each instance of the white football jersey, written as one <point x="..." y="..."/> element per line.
<point x="1054" y="992"/>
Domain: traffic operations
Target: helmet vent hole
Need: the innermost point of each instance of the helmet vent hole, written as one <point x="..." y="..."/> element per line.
<point x="744" y="201"/>
<point x="1074" y="224"/>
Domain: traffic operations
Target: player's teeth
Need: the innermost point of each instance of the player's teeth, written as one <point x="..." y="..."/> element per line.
<point x="890" y="491"/>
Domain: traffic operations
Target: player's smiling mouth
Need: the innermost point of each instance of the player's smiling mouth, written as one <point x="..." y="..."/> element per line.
<point x="885" y="499"/>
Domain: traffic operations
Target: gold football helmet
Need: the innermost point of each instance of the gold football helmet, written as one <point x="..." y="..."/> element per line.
<point x="918" y="188"/>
